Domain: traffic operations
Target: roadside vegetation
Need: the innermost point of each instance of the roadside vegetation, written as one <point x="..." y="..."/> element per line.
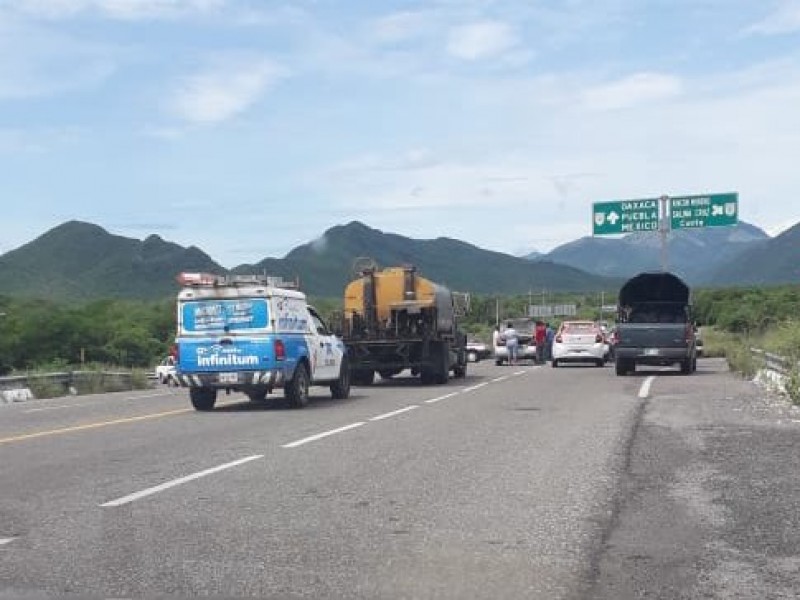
<point x="739" y="319"/>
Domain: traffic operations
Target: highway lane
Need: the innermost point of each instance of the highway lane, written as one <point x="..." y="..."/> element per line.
<point x="500" y="485"/>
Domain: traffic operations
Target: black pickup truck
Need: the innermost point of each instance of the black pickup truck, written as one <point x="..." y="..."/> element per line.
<point x="654" y="324"/>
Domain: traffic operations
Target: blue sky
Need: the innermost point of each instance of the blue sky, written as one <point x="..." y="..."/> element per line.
<point x="249" y="127"/>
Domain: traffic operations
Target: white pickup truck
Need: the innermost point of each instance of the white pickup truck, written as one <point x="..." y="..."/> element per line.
<point x="165" y="371"/>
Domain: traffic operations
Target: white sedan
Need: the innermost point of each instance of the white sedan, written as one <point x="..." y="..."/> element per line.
<point x="579" y="341"/>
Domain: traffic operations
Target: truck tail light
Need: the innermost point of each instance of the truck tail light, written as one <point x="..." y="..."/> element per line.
<point x="689" y="334"/>
<point x="280" y="350"/>
<point x="559" y="339"/>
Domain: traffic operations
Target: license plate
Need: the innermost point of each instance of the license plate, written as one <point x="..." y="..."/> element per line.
<point x="228" y="377"/>
<point x="651" y="351"/>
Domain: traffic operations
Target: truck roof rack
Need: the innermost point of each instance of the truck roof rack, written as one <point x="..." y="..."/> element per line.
<point x="213" y="280"/>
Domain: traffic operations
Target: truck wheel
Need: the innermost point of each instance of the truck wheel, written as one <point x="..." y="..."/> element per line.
<point x="203" y="398"/>
<point x="623" y="367"/>
<point x="442" y="365"/>
<point x="498" y="362"/>
<point x="296" y="390"/>
<point x="363" y="377"/>
<point x="340" y="389"/>
<point x="460" y="371"/>
<point x="686" y="366"/>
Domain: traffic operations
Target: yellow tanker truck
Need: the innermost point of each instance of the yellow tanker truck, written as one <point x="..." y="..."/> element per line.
<point x="395" y="320"/>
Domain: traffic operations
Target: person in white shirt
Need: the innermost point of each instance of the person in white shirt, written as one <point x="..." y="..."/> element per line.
<point x="512" y="343"/>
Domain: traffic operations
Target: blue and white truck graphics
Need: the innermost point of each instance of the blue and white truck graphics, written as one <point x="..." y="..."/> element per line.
<point x="244" y="335"/>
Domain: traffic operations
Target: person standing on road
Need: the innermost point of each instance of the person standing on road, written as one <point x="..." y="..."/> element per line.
<point x="550" y="334"/>
<point x="540" y="337"/>
<point x="512" y="343"/>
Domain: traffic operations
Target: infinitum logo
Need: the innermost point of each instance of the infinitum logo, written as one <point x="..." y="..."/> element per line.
<point x="216" y="357"/>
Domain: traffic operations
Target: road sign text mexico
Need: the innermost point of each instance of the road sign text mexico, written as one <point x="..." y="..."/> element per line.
<point x="624" y="216"/>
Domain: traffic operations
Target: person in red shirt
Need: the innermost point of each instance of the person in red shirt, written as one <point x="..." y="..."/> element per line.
<point x="540" y="337"/>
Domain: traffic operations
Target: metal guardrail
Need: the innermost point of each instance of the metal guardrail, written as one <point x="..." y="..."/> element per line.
<point x="71" y="380"/>
<point x="774" y="362"/>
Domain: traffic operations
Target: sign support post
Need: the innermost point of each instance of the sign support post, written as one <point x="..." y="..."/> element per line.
<point x="663" y="230"/>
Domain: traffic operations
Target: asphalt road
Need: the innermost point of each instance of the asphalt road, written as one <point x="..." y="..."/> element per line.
<point x="518" y="482"/>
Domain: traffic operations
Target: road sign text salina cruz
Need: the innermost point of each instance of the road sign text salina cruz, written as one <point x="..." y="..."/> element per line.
<point x="710" y="210"/>
<point x="624" y="216"/>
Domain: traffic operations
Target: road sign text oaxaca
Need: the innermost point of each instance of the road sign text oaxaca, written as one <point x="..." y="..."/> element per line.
<point x="711" y="210"/>
<point x="624" y="216"/>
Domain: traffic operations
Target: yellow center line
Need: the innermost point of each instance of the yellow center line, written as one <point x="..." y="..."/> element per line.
<point x="37" y="434"/>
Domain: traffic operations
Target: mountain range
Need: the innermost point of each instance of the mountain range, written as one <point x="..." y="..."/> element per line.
<point x="700" y="256"/>
<point x="81" y="261"/>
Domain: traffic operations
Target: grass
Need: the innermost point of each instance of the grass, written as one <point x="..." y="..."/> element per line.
<point x="782" y="339"/>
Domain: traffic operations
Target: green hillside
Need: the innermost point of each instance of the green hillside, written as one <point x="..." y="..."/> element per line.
<point x="325" y="265"/>
<point x="81" y="261"/>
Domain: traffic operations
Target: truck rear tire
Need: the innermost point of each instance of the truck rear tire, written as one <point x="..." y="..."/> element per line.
<point x="296" y="390"/>
<point x="441" y="363"/>
<point x="340" y="389"/>
<point x="363" y="377"/>
<point x="686" y="366"/>
<point x="623" y="367"/>
<point x="203" y="398"/>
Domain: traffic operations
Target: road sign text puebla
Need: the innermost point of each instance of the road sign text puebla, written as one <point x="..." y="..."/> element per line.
<point x="625" y="216"/>
<point x="711" y="210"/>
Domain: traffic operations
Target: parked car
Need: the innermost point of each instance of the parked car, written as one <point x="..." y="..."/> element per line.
<point x="477" y="350"/>
<point x="579" y="341"/>
<point x="165" y="371"/>
<point x="527" y="348"/>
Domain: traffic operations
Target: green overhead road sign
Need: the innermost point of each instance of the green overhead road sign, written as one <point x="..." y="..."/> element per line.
<point x="711" y="210"/>
<point x="624" y="216"/>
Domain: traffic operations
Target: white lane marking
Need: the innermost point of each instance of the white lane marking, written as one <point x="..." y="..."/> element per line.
<point x="519" y="373"/>
<point x="644" y="391"/>
<point x="170" y="484"/>
<point x="57" y="407"/>
<point x="475" y="387"/>
<point x="4" y="541"/>
<point x="319" y="436"/>
<point x="395" y="412"/>
<point x="499" y="379"/>
<point x="440" y="398"/>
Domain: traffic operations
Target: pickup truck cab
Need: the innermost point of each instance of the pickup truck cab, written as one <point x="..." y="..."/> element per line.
<point x="253" y="334"/>
<point x="654" y="324"/>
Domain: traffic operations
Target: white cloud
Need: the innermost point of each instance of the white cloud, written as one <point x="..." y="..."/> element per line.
<point x="784" y="19"/>
<point x="632" y="90"/>
<point x="224" y="91"/>
<point x="398" y="27"/>
<point x="481" y="40"/>
<point x="130" y="10"/>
